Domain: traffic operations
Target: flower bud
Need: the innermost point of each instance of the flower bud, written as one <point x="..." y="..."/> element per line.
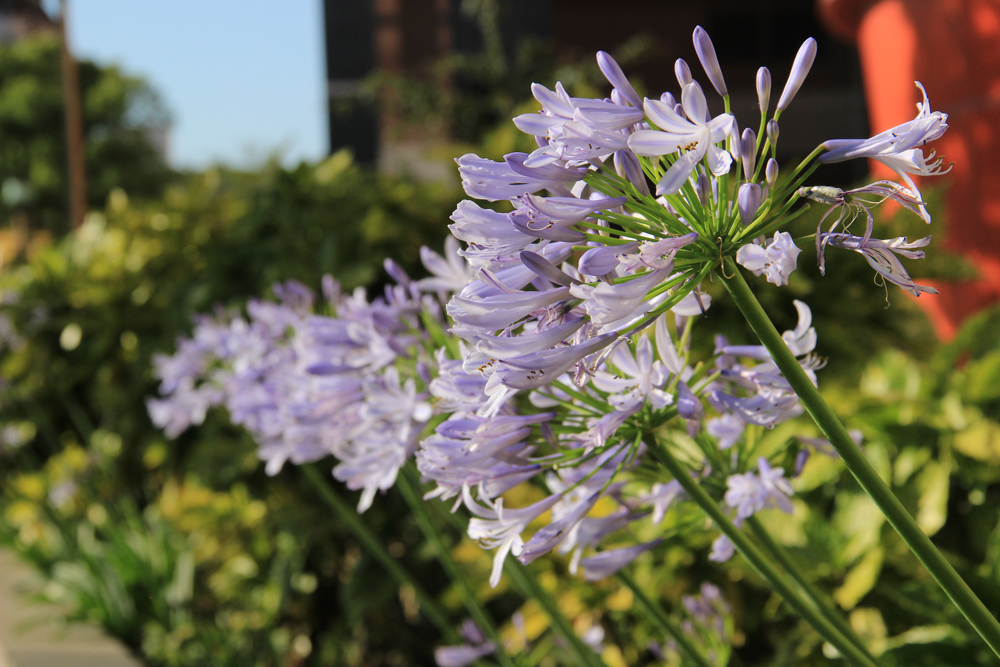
<point x="543" y="268"/>
<point x="771" y="173"/>
<point x="704" y="190"/>
<point x="617" y="78"/>
<point x="800" y="68"/>
<point x="706" y="54"/>
<point x="688" y="405"/>
<point x="627" y="165"/>
<point x="800" y="461"/>
<point x="396" y="272"/>
<point x="749" y="151"/>
<point x="683" y="72"/>
<point x="772" y="131"/>
<point x="763" y="89"/>
<point x="749" y="199"/>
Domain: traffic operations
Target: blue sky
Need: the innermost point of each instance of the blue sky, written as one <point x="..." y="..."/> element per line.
<point x="242" y="78"/>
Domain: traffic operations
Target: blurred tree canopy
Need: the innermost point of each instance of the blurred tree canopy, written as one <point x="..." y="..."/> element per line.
<point x="120" y="114"/>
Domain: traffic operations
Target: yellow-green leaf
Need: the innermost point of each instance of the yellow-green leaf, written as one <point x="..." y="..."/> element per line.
<point x="860" y="579"/>
<point x="932" y="508"/>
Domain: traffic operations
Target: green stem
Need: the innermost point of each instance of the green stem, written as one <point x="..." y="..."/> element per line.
<point x="953" y="585"/>
<point x="532" y="590"/>
<point x="819" y="600"/>
<point x="407" y="487"/>
<point x="758" y="560"/>
<point x="660" y="620"/>
<point x="371" y="543"/>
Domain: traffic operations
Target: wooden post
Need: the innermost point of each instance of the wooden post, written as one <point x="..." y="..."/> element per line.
<point x="75" y="148"/>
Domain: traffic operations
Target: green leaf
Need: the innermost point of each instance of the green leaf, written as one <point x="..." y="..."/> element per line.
<point x="982" y="378"/>
<point x="860" y="579"/>
<point x="932" y="507"/>
<point x="980" y="441"/>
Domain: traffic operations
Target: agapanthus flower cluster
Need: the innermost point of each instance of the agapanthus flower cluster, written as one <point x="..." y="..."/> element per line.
<point x="551" y="350"/>
<point x="348" y="383"/>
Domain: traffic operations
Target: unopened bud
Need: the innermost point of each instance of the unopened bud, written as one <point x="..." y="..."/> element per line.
<point x="749" y="151"/>
<point x="772" y="131"/>
<point x="627" y="165"/>
<point x="763" y="89"/>
<point x="749" y="199"/>
<point x="771" y="173"/>
<point x="682" y="72"/>
<point x="704" y="190"/>
<point x="613" y="73"/>
<point x="706" y="54"/>
<point x="800" y="68"/>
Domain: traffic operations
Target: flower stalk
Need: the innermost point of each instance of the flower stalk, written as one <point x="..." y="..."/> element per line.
<point x="428" y="605"/>
<point x="476" y="611"/>
<point x="819" y="599"/>
<point x="944" y="574"/>
<point x="760" y="562"/>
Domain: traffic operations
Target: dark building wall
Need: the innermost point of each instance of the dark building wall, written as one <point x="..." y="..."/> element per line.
<point x="350" y="57"/>
<point x="408" y="36"/>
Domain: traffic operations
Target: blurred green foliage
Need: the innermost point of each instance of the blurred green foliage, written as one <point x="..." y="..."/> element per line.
<point x="121" y="115"/>
<point x="82" y="317"/>
<point x="92" y="308"/>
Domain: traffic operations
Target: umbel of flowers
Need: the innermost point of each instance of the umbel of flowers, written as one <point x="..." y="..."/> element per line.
<point x="551" y="350"/>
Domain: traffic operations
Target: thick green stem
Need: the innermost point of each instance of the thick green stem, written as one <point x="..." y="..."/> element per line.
<point x="971" y="606"/>
<point x="817" y="597"/>
<point x="476" y="611"/>
<point x="660" y="620"/>
<point x="428" y="606"/>
<point x="760" y="562"/>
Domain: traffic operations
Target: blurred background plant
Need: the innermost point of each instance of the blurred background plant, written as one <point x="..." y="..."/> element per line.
<point x="123" y="118"/>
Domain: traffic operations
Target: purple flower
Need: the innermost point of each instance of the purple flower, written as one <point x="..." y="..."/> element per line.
<point x="727" y="429"/>
<point x="881" y="255"/>
<point x="497" y="312"/>
<point x="750" y="493"/>
<point x="763" y="89"/>
<point x="605" y="563"/>
<point x="549" y="537"/>
<point x="607" y="304"/>
<point x="500" y="528"/>
<point x="776" y="260"/>
<point x="899" y="148"/>
<point x="462" y="654"/>
<point x="451" y="272"/>
<point x="693" y="137"/>
<point x="532" y="370"/>
<point x="749" y="199"/>
<point x="722" y="550"/>
<point x="496" y="181"/>
<point x="643" y="379"/>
